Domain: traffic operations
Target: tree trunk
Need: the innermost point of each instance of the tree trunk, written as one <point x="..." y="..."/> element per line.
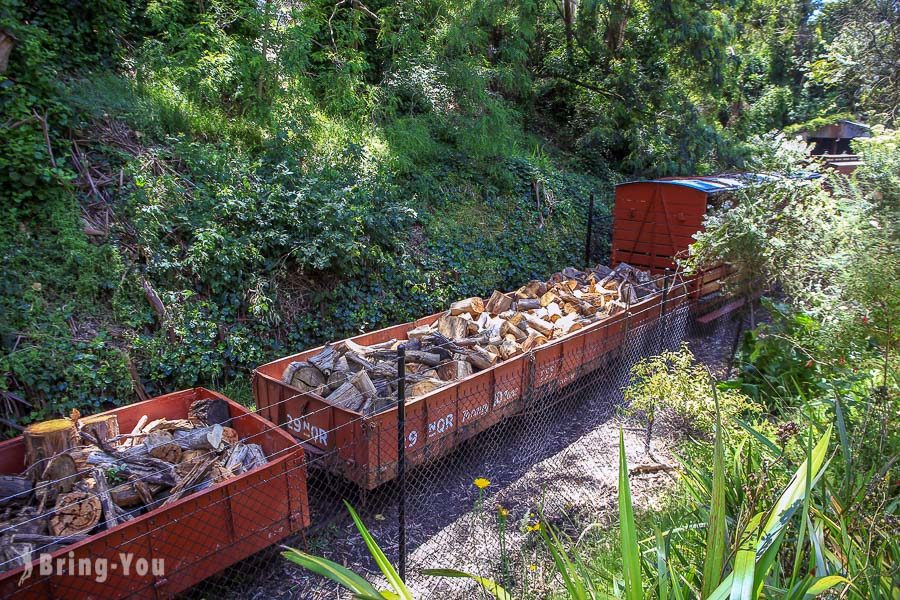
<point x="47" y="439"/>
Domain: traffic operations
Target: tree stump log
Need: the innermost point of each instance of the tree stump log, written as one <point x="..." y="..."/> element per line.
<point x="76" y="513"/>
<point x="47" y="439"/>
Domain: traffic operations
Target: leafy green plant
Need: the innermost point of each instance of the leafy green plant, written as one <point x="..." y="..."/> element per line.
<point x="361" y="588"/>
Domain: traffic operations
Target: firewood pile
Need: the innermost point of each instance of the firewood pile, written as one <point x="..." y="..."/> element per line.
<point x="475" y="334"/>
<point x="83" y="475"/>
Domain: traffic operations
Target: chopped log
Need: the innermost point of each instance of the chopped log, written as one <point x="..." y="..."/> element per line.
<point x="539" y="325"/>
<point x="304" y="376"/>
<point x="106" y="426"/>
<point x="364" y="384"/>
<point x="532" y="289"/>
<point x="230" y="436"/>
<point x="186" y="484"/>
<point x="498" y="303"/>
<point x="101" y="488"/>
<point x="473" y="306"/>
<point x="204" y="438"/>
<point x="553" y="312"/>
<point x="255" y="457"/>
<point x="509" y="328"/>
<point x="324" y="360"/>
<point x="335" y="380"/>
<point x="150" y="470"/>
<point x="346" y="395"/>
<point x="479" y="358"/>
<point x="162" y="445"/>
<point x="76" y="513"/>
<point x="210" y="411"/>
<point x="168" y="425"/>
<point x="46" y="439"/>
<point x="549" y="298"/>
<point x="528" y="304"/>
<point x="58" y="476"/>
<point x="509" y="349"/>
<point x="14" y="490"/>
<point x="454" y="370"/>
<point x="426" y="358"/>
<point x="357" y="363"/>
<point x="452" y="328"/>
<point x="419" y="332"/>
<point x="420" y="388"/>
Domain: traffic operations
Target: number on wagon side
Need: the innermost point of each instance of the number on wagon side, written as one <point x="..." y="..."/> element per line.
<point x="302" y="427"/>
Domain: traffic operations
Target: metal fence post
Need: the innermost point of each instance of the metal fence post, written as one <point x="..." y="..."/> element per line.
<point x="590" y="227"/>
<point x="401" y="456"/>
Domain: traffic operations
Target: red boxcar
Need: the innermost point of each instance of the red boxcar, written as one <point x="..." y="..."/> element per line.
<point x="195" y="537"/>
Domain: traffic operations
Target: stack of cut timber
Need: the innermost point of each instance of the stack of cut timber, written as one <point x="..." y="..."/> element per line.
<point x="473" y="335"/>
<point x="83" y="475"/>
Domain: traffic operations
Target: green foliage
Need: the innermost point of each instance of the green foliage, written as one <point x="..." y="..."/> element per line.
<point x="672" y="386"/>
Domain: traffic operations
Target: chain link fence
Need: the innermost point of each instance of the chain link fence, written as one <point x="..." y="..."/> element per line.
<point x="537" y="430"/>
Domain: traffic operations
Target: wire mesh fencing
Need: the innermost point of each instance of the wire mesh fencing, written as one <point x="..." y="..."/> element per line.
<point x="536" y="428"/>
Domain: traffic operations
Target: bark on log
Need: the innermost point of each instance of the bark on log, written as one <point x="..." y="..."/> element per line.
<point x="204" y="438"/>
<point x="110" y="510"/>
<point x="498" y="303"/>
<point x="324" y="360"/>
<point x="454" y="370"/>
<point x="452" y="328"/>
<point x="420" y="388"/>
<point x="528" y="304"/>
<point x="210" y="411"/>
<point x="46" y="439"/>
<point x="136" y="432"/>
<point x="14" y="489"/>
<point x="105" y="426"/>
<point x="161" y="445"/>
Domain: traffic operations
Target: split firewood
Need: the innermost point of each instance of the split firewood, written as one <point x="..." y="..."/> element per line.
<point x="135" y="433"/>
<point x="454" y="370"/>
<point x="209" y="411"/>
<point x="498" y="303"/>
<point x="539" y="325"/>
<point x="57" y="477"/>
<point x="193" y="476"/>
<point x="101" y="489"/>
<point x="324" y="360"/>
<point x="230" y="436"/>
<point x="76" y="513"/>
<point x="420" y="388"/>
<point x="453" y="328"/>
<point x="473" y="306"/>
<point x="527" y="304"/>
<point x="346" y="395"/>
<point x="162" y="445"/>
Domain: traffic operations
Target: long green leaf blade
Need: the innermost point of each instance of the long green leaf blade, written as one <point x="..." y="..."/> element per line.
<point x="745" y="562"/>
<point x="390" y="573"/>
<point x="490" y="586"/>
<point x="335" y="572"/>
<point x="715" y="534"/>
<point x="631" y="558"/>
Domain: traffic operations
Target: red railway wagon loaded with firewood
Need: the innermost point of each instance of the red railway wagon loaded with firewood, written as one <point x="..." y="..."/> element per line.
<point x="361" y="443"/>
<point x="181" y="536"/>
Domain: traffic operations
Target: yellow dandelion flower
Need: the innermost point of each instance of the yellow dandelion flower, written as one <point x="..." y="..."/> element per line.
<point x="532" y="568"/>
<point x="535" y="527"/>
<point x="503" y="512"/>
<point x="481" y="483"/>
